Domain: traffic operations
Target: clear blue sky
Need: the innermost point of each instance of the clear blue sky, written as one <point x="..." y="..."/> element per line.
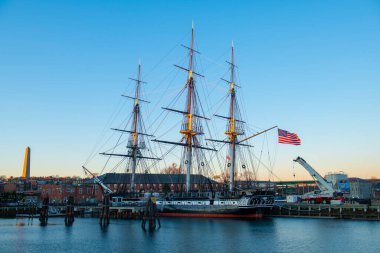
<point x="311" y="67"/>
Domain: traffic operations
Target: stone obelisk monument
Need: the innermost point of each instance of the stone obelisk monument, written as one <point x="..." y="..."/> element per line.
<point x="26" y="170"/>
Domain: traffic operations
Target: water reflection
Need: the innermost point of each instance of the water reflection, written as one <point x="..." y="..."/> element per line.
<point x="185" y="235"/>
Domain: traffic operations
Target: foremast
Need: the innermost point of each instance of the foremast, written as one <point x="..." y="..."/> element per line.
<point x="234" y="126"/>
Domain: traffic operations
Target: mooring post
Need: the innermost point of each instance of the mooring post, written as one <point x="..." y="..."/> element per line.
<point x="69" y="215"/>
<point x="150" y="214"/>
<point x="44" y="211"/>
<point x="104" y="218"/>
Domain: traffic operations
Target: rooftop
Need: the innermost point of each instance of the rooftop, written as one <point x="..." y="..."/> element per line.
<point x="125" y="178"/>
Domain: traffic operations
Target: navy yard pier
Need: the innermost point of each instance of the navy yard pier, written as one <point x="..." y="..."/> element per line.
<point x="343" y="211"/>
<point x="124" y="212"/>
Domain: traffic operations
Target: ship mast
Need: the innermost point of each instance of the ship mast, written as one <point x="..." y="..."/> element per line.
<point x="234" y="126"/>
<point x="190" y="125"/>
<point x="188" y="131"/>
<point x="135" y="144"/>
<point x="231" y="133"/>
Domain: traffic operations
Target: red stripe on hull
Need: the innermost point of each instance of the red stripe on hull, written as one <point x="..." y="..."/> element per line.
<point x="214" y="215"/>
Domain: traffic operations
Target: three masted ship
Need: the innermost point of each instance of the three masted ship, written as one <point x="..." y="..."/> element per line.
<point x="228" y="202"/>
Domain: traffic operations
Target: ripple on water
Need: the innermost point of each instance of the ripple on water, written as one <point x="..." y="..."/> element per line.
<point x="191" y="235"/>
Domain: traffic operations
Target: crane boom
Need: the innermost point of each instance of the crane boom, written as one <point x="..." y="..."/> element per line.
<point x="322" y="183"/>
<point x="98" y="181"/>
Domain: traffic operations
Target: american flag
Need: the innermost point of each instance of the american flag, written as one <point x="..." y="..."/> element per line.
<point x="288" y="138"/>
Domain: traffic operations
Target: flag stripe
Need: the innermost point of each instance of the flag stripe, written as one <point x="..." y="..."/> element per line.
<point x="288" y="138"/>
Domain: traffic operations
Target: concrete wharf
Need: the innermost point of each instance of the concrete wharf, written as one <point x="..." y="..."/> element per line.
<point x="121" y="212"/>
<point x="343" y="211"/>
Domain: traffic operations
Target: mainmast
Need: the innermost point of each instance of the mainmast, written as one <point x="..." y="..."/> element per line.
<point x="134" y="146"/>
<point x="231" y="132"/>
<point x="188" y="131"/>
<point x="191" y="126"/>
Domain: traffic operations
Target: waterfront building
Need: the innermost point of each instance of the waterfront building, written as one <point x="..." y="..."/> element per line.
<point x="360" y="188"/>
<point x="339" y="181"/>
<point x="376" y="190"/>
<point x="83" y="194"/>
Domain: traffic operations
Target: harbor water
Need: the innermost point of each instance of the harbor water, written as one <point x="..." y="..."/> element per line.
<point x="191" y="235"/>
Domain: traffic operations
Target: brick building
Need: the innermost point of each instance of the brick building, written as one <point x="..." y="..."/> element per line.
<point x="83" y="194"/>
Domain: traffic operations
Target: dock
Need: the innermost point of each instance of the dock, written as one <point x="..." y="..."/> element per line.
<point x="122" y="212"/>
<point x="344" y="211"/>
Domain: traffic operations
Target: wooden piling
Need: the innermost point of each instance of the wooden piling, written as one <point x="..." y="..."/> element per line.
<point x="151" y="214"/>
<point x="31" y="210"/>
<point x="44" y="212"/>
<point x="69" y="215"/>
<point x="104" y="218"/>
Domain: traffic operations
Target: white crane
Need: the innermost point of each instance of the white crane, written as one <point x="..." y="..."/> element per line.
<point x="322" y="183"/>
<point x="98" y="181"/>
<point x="326" y="193"/>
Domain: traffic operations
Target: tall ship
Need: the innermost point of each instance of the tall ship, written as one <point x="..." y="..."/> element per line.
<point x="198" y="155"/>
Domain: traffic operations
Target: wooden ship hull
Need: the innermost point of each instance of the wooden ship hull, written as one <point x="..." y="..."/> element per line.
<point x="196" y="155"/>
<point x="253" y="207"/>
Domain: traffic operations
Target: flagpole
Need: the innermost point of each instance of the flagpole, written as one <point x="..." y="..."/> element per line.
<point x="250" y="137"/>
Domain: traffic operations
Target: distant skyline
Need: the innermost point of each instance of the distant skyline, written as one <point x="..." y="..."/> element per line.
<point x="310" y="67"/>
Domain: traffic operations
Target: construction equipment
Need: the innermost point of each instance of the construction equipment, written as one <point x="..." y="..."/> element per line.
<point x="98" y="181"/>
<point x="326" y="192"/>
